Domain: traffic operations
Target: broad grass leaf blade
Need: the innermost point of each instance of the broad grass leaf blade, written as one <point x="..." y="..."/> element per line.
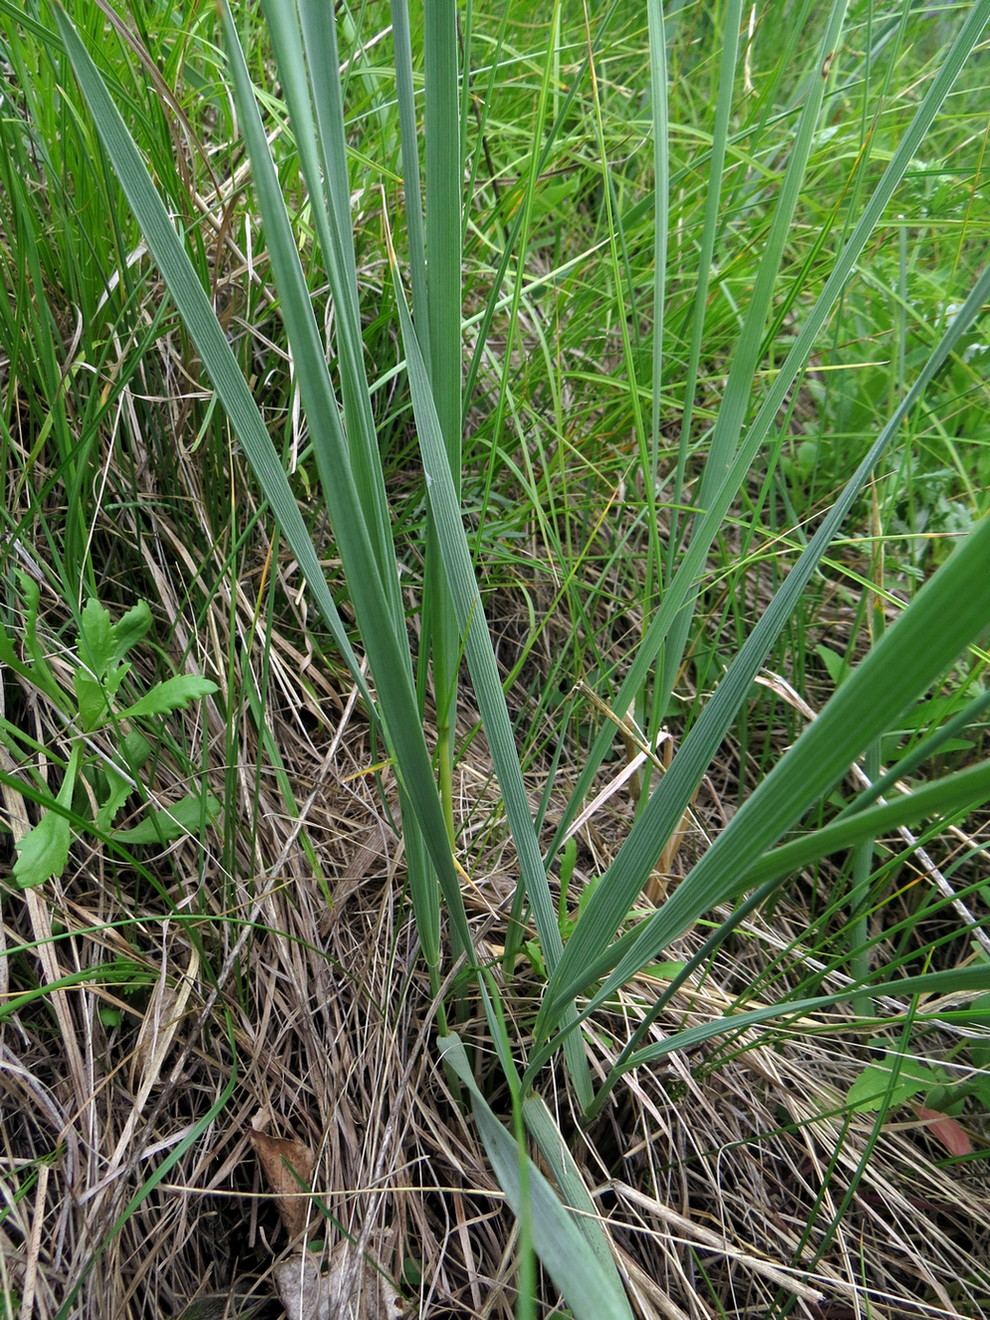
<point x="592" y="1291"/>
<point x="949" y="798"/>
<point x="614" y="897"/>
<point x="470" y="617"/>
<point x="444" y="184"/>
<point x="206" y="332"/>
<point x="355" y="500"/>
<point x="477" y="640"/>
<point x="443" y="220"/>
<point x="955" y="795"/>
<point x="325" y="168"/>
<point x="560" y="1161"/>
<point x="308" y="45"/>
<point x="682" y="588"/>
<point x="949" y="611"/>
<point x="391" y="661"/>
<point x="955" y="981"/>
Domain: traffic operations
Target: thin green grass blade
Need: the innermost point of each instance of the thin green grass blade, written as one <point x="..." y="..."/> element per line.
<point x="731" y="25"/>
<point x="591" y="1290"/>
<point x="323" y="156"/>
<point x="513" y="241"/>
<point x="409" y="140"/>
<point x="682" y="589"/>
<point x="483" y="667"/>
<point x="956" y="981"/>
<point x="477" y="640"/>
<point x="949" y="611"/>
<point x="614" y="897"/>
<point x="444" y="183"/>
<point x="648" y="442"/>
<point x="202" y="324"/>
<point x="442" y="131"/>
<point x="661" y="172"/>
<point x="732" y="411"/>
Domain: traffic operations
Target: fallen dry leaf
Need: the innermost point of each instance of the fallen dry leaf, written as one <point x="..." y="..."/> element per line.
<point x="344" y="1292"/>
<point x="302" y="1287"/>
<point x="364" y="1293"/>
<point x="281" y="1159"/>
<point x="952" y="1135"/>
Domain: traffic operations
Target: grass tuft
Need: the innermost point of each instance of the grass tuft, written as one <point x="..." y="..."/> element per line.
<point x="494" y="661"/>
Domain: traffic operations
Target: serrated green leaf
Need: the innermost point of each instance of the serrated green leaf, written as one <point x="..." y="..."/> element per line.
<point x="877" y="1087"/>
<point x="129" y="630"/>
<point x="171" y="694"/>
<point x="43" y="852"/>
<point x="119" y="789"/>
<point x="164" y="826"/>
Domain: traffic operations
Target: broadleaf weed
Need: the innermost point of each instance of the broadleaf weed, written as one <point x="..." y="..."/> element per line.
<point x="89" y="705"/>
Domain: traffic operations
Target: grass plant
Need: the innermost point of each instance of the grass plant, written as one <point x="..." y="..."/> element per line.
<point x="535" y="465"/>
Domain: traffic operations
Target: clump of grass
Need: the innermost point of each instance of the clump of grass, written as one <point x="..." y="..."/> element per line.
<point x="482" y="484"/>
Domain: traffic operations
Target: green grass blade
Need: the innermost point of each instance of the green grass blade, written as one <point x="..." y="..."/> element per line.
<point x="591" y="1290"/>
<point x="954" y="796"/>
<point x="202" y="324"/>
<point x="682" y="589"/>
<point x="956" y="981"/>
<point x="442" y="131"/>
<point x="313" y="46"/>
<point x="484" y="668"/>
<point x="409" y="138"/>
<point x="390" y="665"/>
<point x="731" y="418"/>
<point x="477" y="643"/>
<point x="355" y="502"/>
<point x="951" y="796"/>
<point x="560" y="1161"/>
<point x="947" y="614"/>
<point x="323" y="155"/>
<point x="731" y="26"/>
<point x="614" y="897"/>
<point x="443" y="151"/>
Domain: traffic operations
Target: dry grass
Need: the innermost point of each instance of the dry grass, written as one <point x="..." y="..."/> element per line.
<point x="273" y="980"/>
<point x="271" y="997"/>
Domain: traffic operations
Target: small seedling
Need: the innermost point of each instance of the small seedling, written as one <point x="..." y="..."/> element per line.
<point x="94" y="705"/>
